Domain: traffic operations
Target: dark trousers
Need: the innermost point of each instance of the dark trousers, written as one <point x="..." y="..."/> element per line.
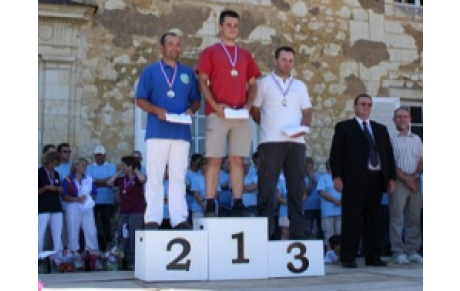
<point x="314" y="216"/>
<point x="134" y="221"/>
<point x="361" y="215"/>
<point x="289" y="157"/>
<point x="385" y="230"/>
<point x="103" y="214"/>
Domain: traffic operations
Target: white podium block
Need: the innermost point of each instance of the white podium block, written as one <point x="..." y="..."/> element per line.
<point x="291" y="258"/>
<point x="171" y="255"/>
<point x="237" y="247"/>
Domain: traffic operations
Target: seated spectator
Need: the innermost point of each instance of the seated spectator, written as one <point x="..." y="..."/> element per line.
<point x="283" y="208"/>
<point x="333" y="254"/>
<point x="249" y="188"/>
<point x="225" y="196"/>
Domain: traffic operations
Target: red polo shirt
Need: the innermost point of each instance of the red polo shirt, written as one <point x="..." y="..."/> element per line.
<point x="224" y="87"/>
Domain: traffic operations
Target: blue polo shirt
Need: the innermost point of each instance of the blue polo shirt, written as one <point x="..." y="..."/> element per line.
<point x="153" y="87"/>
<point x="106" y="170"/>
<point x="326" y="184"/>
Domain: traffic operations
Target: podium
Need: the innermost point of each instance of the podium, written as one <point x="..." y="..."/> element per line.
<point x="223" y="249"/>
<point x="171" y="255"/>
<point x="238" y="247"/>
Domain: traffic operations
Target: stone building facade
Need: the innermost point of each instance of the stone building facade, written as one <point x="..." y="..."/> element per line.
<point x="91" y="52"/>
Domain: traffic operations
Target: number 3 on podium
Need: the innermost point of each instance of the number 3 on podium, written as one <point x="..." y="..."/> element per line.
<point x="300" y="256"/>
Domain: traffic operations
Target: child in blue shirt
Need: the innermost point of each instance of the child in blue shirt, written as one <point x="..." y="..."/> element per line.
<point x="331" y="211"/>
<point x="333" y="254"/>
<point x="283" y="208"/>
<point x="198" y="188"/>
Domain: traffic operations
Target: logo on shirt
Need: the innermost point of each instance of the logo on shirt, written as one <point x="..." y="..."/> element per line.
<point x="184" y="78"/>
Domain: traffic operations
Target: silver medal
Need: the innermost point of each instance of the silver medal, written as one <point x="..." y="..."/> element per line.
<point x="234" y="73"/>
<point x="171" y="94"/>
<point x="284" y="103"/>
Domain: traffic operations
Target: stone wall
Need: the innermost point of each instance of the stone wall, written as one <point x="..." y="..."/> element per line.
<point x="343" y="48"/>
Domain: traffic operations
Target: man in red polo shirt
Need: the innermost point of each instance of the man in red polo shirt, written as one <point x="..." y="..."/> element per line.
<point x="227" y="79"/>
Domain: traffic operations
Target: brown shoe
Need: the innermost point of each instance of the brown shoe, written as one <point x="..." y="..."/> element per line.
<point x="184" y="225"/>
<point x="151" y="226"/>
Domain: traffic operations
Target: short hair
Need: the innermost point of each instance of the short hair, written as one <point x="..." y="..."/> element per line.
<point x="131" y="161"/>
<point x="362" y="95"/>
<point x="62" y="145"/>
<point x="75" y="163"/>
<point x="227" y="13"/>
<point x="255" y="156"/>
<point x="283" y="49"/>
<point x="165" y="35"/>
<point x="334" y="240"/>
<point x="405" y="108"/>
<point x="50" y="157"/>
<point x="47" y="147"/>
<point x="195" y="158"/>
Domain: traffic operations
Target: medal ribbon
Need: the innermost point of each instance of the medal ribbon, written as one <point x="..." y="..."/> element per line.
<point x="125" y="186"/>
<point x="279" y="86"/>
<point x="50" y="176"/>
<point x="232" y="62"/>
<point x="166" y="76"/>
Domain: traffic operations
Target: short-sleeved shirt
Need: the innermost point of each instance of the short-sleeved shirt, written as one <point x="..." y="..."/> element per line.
<point x="133" y="201"/>
<point x="104" y="171"/>
<point x="250" y="198"/>
<point x="63" y="169"/>
<point x="74" y="188"/>
<point x="326" y="184"/>
<point x="314" y="200"/>
<point x="225" y="88"/>
<point x="199" y="184"/>
<point x="408" y="150"/>
<point x="154" y="87"/>
<point x="49" y="202"/>
<point x="273" y="115"/>
<point x="281" y="187"/>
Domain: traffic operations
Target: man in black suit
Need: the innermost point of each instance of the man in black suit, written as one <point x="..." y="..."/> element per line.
<point x="363" y="167"/>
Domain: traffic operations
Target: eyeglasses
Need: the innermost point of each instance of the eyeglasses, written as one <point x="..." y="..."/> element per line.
<point x="365" y="104"/>
<point x="67" y="151"/>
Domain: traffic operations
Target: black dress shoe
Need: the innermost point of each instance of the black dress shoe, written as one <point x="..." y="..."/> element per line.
<point x="378" y="263"/>
<point x="184" y="225"/>
<point x="350" y="265"/>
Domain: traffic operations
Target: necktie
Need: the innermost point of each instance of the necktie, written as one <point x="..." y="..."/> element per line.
<point x="372" y="150"/>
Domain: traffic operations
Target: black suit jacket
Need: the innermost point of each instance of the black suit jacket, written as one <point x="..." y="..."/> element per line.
<point x="349" y="155"/>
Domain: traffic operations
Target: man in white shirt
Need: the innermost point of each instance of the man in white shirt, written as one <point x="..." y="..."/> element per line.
<point x="282" y="105"/>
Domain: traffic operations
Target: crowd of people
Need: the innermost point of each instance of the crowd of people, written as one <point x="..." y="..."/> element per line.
<point x="368" y="202"/>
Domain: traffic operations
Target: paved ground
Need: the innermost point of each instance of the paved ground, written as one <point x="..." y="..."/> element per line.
<point x="393" y="277"/>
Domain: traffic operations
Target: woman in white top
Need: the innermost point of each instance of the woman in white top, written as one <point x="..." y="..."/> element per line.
<point x="79" y="194"/>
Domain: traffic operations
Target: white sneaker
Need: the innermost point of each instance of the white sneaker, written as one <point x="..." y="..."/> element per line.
<point x="400" y="259"/>
<point x="415" y="258"/>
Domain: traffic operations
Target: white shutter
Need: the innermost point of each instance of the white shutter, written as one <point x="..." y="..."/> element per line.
<point x="383" y="109"/>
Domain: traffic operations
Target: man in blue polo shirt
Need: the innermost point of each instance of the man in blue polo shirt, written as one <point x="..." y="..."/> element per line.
<point x="167" y="87"/>
<point x="101" y="171"/>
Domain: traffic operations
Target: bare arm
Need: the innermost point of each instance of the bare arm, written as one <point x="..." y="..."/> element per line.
<point x="251" y="94"/>
<point x="250" y="187"/>
<point x="150" y="108"/>
<point x="194" y="107"/>
<point x="255" y="113"/>
<point x="112" y="179"/>
<point x="307" y="116"/>
<point x="140" y="176"/>
<point x="329" y="198"/>
<point x="206" y="92"/>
